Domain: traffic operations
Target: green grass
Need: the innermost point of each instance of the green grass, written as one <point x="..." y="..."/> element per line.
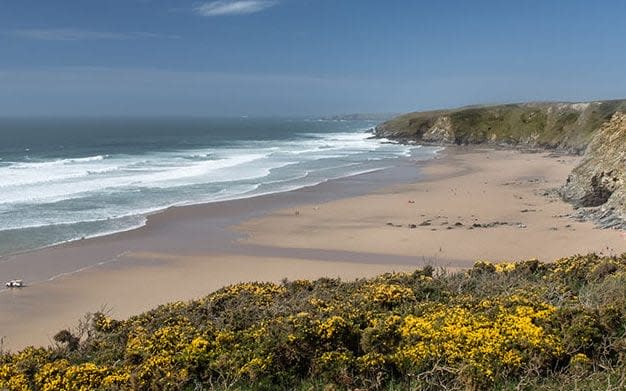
<point x="550" y="125"/>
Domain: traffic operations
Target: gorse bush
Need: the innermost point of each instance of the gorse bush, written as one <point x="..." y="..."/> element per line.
<point x="496" y="326"/>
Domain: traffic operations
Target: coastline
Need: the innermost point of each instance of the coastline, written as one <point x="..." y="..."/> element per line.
<point x="186" y="252"/>
<point x="49" y="201"/>
<point x="207" y="225"/>
<point x="498" y="205"/>
<point x="61" y="277"/>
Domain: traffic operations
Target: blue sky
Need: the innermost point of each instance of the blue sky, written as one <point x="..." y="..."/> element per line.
<point x="303" y="57"/>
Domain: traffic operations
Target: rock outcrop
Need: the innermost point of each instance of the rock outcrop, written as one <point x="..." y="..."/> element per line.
<point x="597" y="186"/>
<point x="600" y="180"/>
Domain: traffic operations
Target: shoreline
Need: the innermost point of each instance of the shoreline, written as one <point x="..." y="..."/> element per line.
<point x="17" y="236"/>
<point x="237" y="211"/>
<point x="209" y="246"/>
<point x="503" y="205"/>
<point x="146" y="216"/>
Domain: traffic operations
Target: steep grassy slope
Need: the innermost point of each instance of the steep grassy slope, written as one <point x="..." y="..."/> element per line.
<point x="513" y="326"/>
<point x="567" y="126"/>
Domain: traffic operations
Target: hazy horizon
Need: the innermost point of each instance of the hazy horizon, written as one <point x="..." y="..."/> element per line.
<point x="151" y="58"/>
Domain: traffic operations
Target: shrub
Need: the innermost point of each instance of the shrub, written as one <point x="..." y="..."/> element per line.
<point x="510" y="325"/>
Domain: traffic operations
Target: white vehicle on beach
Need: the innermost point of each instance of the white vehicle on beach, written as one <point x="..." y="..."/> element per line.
<point x="15" y="284"/>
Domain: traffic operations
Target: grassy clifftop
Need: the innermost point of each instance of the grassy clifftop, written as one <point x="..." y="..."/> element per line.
<point x="512" y="326"/>
<point x="568" y="126"/>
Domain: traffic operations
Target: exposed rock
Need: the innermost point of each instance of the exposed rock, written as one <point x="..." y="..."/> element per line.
<point x="598" y="128"/>
<point x="600" y="179"/>
<point x="493" y="224"/>
<point x="440" y="131"/>
<point x="604" y="218"/>
<point x="564" y="126"/>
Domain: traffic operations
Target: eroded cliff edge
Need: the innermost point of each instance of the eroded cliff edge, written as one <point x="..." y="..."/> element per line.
<point x="598" y="129"/>
<point x="599" y="182"/>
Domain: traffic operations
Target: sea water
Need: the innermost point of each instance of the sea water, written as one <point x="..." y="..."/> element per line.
<point x="65" y="179"/>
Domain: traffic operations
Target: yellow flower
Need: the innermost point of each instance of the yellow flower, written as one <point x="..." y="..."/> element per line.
<point x="390" y="294"/>
<point x="331" y="326"/>
<point x="579" y="359"/>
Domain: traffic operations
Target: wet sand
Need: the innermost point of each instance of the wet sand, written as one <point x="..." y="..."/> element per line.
<point x="350" y="228"/>
<point x="177" y="255"/>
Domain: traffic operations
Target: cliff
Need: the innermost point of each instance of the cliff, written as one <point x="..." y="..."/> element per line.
<point x="600" y="180"/>
<point x="598" y="129"/>
<point x="566" y="126"/>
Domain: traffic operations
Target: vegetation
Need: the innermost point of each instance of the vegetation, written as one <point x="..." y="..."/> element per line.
<point x="568" y="126"/>
<point x="522" y="325"/>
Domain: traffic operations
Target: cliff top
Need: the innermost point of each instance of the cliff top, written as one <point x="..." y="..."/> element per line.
<point x="563" y="125"/>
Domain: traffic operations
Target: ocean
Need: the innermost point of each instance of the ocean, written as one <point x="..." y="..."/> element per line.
<point x="66" y="179"/>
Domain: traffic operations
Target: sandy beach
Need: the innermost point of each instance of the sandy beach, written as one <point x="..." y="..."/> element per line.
<point x="475" y="204"/>
<point x="468" y="204"/>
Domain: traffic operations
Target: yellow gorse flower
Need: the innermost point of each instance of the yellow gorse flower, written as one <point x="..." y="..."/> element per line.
<point x="357" y="334"/>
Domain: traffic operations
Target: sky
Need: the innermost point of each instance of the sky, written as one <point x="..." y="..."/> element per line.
<point x="303" y="57"/>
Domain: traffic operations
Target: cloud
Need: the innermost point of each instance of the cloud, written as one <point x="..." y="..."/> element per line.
<point x="236" y="7"/>
<point x="84" y="35"/>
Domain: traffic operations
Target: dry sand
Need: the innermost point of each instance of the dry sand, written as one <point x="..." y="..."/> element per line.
<point x="510" y="196"/>
<point x="186" y="252"/>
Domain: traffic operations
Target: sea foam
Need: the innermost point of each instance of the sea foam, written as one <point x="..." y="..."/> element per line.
<point x="46" y="200"/>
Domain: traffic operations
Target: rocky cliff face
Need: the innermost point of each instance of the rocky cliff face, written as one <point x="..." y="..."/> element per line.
<point x="566" y="126"/>
<point x="600" y="180"/>
<point x="597" y="185"/>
